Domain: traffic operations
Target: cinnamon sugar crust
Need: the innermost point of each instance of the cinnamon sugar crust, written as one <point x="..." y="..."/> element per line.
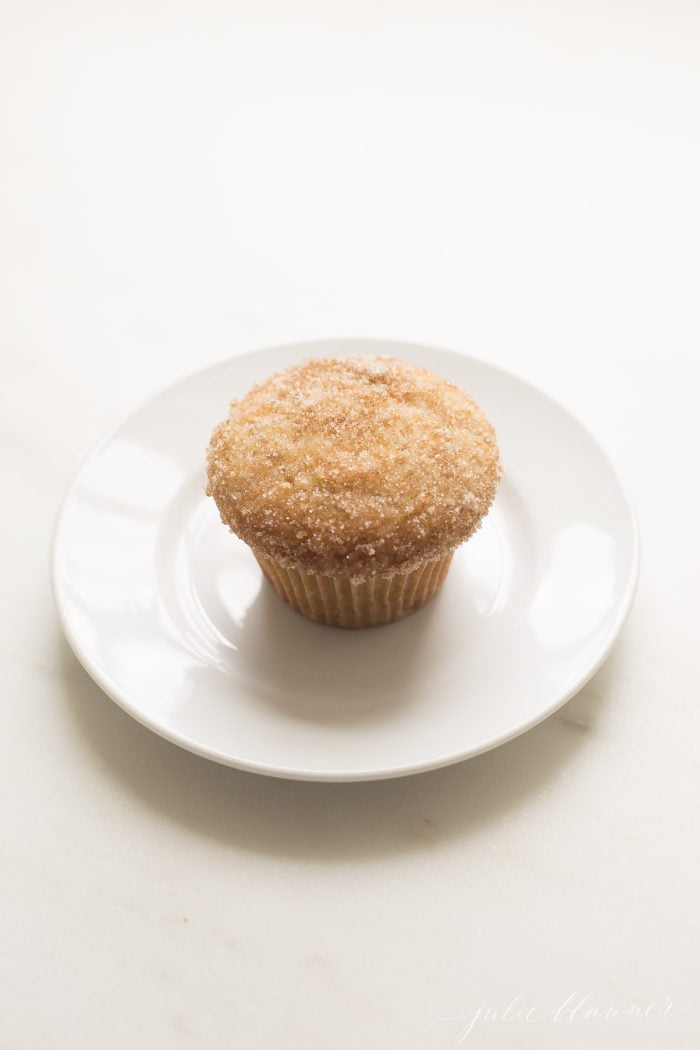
<point x="353" y="466"/>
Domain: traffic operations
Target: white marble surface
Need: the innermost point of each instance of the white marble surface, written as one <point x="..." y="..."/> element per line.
<point x="185" y="181"/>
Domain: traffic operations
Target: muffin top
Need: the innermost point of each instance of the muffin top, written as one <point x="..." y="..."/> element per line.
<point x="353" y="466"/>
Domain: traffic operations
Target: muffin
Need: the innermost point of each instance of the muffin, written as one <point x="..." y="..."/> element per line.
<point x="353" y="480"/>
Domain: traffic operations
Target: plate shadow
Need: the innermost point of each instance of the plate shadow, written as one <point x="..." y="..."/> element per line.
<point x="329" y="821"/>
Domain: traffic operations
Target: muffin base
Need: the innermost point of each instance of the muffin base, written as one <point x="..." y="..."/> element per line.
<point x="337" y="601"/>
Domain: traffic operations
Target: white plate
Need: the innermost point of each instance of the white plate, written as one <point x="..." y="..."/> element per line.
<point x="171" y="616"/>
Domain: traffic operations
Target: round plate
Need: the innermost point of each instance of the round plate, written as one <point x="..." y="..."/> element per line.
<point x="170" y="614"/>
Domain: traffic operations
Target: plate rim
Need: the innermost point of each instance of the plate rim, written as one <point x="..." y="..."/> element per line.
<point x="104" y="682"/>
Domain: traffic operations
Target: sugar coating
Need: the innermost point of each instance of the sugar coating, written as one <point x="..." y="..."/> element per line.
<point x="353" y="466"/>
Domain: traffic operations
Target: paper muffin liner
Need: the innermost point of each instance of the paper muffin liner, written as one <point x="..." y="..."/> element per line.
<point x="341" y="602"/>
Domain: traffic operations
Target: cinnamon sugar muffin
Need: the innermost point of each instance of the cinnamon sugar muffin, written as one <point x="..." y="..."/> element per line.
<point x="353" y="480"/>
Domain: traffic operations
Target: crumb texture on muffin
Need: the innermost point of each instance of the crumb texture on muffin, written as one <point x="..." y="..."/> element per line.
<point x="353" y="466"/>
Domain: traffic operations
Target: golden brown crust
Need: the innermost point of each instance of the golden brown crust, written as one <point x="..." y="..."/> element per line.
<point x="353" y="466"/>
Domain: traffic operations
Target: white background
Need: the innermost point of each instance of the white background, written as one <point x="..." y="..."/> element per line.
<point x="186" y="181"/>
